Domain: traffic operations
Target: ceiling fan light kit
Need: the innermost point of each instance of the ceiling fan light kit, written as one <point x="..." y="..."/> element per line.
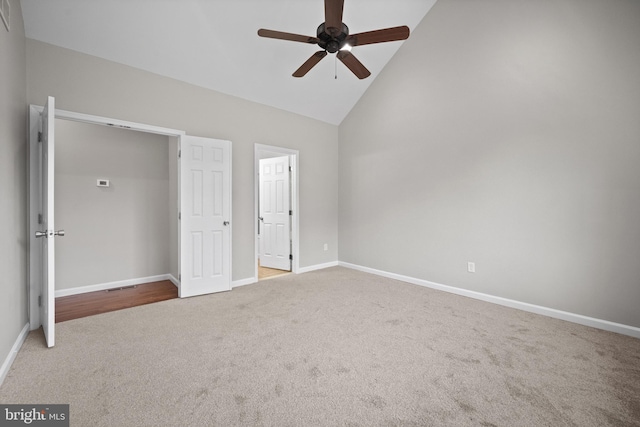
<point x="332" y="43"/>
<point x="332" y="36"/>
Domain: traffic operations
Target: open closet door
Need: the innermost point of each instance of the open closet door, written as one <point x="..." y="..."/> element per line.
<point x="205" y="212"/>
<point x="47" y="231"/>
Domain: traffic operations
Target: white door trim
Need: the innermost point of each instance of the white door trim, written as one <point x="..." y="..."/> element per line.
<point x="259" y="150"/>
<point x="47" y="139"/>
<point x="106" y="121"/>
<point x="35" y="263"/>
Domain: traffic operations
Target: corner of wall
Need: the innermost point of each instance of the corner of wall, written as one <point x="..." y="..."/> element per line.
<point x="13" y="186"/>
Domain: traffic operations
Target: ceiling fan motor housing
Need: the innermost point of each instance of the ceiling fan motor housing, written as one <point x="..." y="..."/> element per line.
<point x="332" y="43"/>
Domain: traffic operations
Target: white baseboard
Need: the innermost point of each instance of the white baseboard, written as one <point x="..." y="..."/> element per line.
<point x="175" y="281"/>
<point x="8" y="361"/>
<point x="545" y="311"/>
<point x="243" y="282"/>
<point x="317" y="267"/>
<point x="114" y="285"/>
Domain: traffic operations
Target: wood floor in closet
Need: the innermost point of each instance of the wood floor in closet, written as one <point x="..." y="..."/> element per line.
<point x="88" y="304"/>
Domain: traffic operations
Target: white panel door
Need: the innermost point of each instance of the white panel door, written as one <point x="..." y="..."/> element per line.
<point x="47" y="231"/>
<point x="275" y="219"/>
<point x="205" y="210"/>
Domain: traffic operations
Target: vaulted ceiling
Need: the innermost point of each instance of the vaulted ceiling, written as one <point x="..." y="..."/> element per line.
<point x="214" y="44"/>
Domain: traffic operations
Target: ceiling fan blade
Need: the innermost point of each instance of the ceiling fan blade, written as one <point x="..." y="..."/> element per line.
<point x="379" y="36"/>
<point x="353" y="64"/>
<point x="287" y="36"/>
<point x="333" y="16"/>
<point x="310" y="63"/>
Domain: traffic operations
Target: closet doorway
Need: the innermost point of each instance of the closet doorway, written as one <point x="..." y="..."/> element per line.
<point x="116" y="198"/>
<point x="200" y="211"/>
<point x="44" y="231"/>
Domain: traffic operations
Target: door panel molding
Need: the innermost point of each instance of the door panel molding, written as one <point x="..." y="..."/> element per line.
<point x="205" y="212"/>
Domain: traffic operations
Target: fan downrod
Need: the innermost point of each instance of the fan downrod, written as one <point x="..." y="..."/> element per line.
<point x="332" y="43"/>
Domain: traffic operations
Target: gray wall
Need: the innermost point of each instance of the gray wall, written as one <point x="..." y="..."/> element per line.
<point x="507" y="133"/>
<point x="87" y="84"/>
<point x="116" y="233"/>
<point x="13" y="182"/>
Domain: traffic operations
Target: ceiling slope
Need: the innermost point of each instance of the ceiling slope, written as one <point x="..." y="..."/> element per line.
<point x="214" y="44"/>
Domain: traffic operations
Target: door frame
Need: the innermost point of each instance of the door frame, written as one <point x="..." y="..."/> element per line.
<point x="259" y="151"/>
<point x="35" y="261"/>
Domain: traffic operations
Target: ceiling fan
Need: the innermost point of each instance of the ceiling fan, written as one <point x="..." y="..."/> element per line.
<point x="333" y="36"/>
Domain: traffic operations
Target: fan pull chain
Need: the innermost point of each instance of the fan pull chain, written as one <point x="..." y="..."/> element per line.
<point x="336" y="68"/>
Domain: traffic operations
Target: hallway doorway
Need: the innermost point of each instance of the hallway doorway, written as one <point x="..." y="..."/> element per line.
<point x="276" y="211"/>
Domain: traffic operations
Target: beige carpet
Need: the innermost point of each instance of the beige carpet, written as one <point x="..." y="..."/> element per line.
<point x="334" y="347"/>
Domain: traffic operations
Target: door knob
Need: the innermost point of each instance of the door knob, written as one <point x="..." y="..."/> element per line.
<point x="41" y="234"/>
<point x="59" y="233"/>
<point x="225" y="223"/>
<point x="261" y="218"/>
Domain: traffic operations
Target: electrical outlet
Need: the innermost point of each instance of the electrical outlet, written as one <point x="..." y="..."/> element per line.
<point x="326" y="246"/>
<point x="471" y="267"/>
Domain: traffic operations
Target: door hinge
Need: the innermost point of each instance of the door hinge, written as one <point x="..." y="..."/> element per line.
<point x="179" y="216"/>
<point x="39" y="300"/>
<point x="291" y="257"/>
<point x="179" y="153"/>
<point x="179" y="276"/>
<point x="39" y="136"/>
<point x="290" y="169"/>
<point x="39" y="218"/>
<point x="290" y="212"/>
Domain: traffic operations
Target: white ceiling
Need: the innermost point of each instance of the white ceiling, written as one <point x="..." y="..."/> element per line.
<point x="213" y="44"/>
